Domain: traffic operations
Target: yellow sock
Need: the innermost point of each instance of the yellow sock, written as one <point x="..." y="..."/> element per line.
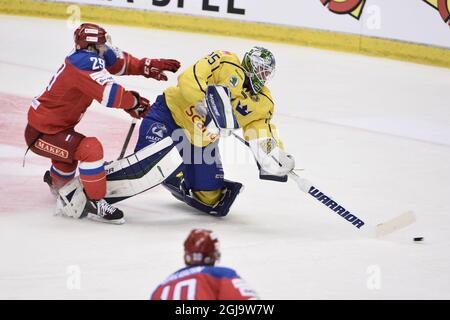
<point x="209" y="198"/>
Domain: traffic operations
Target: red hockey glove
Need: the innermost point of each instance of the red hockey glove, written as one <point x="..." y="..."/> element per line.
<point x="141" y="108"/>
<point x="154" y="68"/>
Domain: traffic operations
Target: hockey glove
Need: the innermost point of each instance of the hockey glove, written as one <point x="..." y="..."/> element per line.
<point x="154" y="68"/>
<point x="272" y="158"/>
<point x="141" y="108"/>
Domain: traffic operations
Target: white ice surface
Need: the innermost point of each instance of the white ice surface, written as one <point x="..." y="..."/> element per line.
<point x="373" y="133"/>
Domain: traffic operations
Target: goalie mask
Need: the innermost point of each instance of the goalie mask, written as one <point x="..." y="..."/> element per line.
<point x="201" y="248"/>
<point x="259" y="65"/>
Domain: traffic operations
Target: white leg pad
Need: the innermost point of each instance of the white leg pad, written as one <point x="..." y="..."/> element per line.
<point x="126" y="177"/>
<point x="142" y="170"/>
<point x="71" y="200"/>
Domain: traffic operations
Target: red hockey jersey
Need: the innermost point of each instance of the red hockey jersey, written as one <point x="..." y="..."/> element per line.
<point x="204" y="283"/>
<point x="83" y="77"/>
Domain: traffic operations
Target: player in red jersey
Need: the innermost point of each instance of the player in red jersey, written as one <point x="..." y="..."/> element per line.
<point x="201" y="279"/>
<point x="86" y="75"/>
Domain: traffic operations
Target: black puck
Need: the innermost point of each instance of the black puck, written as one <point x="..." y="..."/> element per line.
<point x="418" y="239"/>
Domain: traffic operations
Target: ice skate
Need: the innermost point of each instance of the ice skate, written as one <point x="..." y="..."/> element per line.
<point x="102" y="211"/>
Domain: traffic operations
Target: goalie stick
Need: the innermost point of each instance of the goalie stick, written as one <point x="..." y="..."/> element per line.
<point x="380" y="230"/>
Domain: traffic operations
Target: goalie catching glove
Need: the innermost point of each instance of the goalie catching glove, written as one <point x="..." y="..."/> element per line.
<point x="271" y="158"/>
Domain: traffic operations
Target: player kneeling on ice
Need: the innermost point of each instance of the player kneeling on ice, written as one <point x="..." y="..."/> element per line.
<point x="216" y="95"/>
<point x="201" y="279"/>
<point x="86" y="75"/>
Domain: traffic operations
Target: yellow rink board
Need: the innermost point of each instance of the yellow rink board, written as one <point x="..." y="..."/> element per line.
<point x="259" y="31"/>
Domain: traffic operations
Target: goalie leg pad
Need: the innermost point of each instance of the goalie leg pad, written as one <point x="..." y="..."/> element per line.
<point x="141" y="171"/>
<point x="229" y="195"/>
<point x="72" y="200"/>
<point x="231" y="189"/>
<point x="127" y="177"/>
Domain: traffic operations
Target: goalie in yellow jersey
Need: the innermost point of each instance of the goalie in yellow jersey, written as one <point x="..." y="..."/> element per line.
<point x="216" y="95"/>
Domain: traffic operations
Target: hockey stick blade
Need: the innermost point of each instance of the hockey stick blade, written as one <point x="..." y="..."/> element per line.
<point x="399" y="222"/>
<point x="381" y="229"/>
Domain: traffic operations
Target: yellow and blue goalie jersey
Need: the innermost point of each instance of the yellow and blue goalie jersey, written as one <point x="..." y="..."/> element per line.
<point x="253" y="112"/>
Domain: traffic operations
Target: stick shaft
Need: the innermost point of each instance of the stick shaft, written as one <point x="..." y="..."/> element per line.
<point x="307" y="187"/>
<point x="381" y="229"/>
<point x="127" y="139"/>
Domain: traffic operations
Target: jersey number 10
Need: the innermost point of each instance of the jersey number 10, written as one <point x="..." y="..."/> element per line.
<point x="183" y="290"/>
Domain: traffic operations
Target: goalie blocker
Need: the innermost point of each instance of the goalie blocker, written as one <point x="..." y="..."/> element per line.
<point x="126" y="177"/>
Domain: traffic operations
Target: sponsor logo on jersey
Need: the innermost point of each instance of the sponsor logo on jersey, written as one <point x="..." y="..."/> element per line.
<point x="199" y="122"/>
<point x="242" y="109"/>
<point x="351" y="7"/>
<point x="234" y="81"/>
<point x="443" y="6"/>
<point x="49" y="148"/>
<point x="154" y="134"/>
<point x="158" y="129"/>
<point x="336" y="207"/>
<point x="102" y="77"/>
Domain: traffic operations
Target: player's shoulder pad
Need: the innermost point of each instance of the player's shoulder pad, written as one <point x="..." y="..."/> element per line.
<point x="86" y="61"/>
<point x="112" y="54"/>
<point x="220" y="272"/>
<point x="230" y="58"/>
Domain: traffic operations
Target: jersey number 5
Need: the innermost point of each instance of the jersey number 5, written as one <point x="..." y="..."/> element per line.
<point x="183" y="290"/>
<point x="213" y="57"/>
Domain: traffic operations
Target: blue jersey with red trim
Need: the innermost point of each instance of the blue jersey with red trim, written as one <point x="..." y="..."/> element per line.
<point x="83" y="77"/>
<point x="204" y="283"/>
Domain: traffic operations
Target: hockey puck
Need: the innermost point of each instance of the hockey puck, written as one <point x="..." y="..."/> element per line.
<point x="418" y="239"/>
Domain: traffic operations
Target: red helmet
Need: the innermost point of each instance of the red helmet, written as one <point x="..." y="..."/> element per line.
<point x="201" y="247"/>
<point x="87" y="34"/>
